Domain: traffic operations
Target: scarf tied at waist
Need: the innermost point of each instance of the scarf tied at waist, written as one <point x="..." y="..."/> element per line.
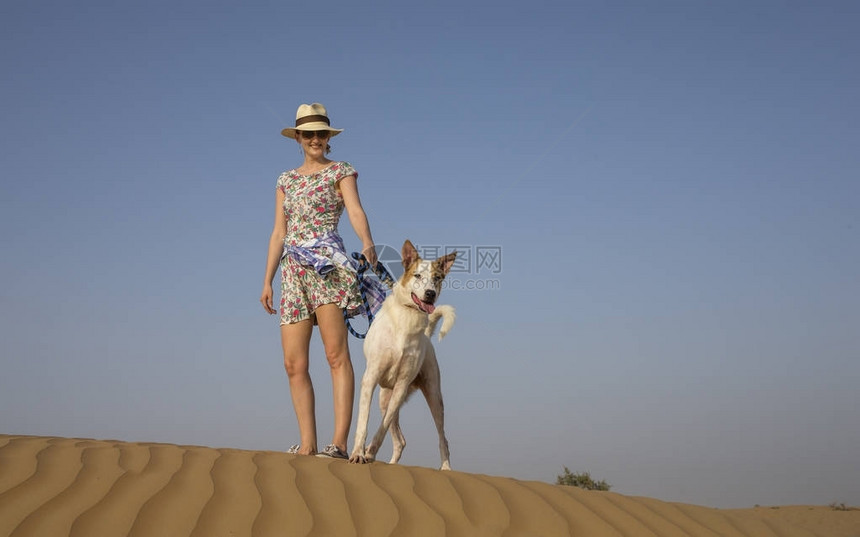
<point x="327" y="252"/>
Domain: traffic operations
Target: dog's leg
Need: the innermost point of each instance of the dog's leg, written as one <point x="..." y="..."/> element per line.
<point x="437" y="409"/>
<point x="432" y="389"/>
<point x="397" y="438"/>
<point x="392" y="411"/>
<point x="368" y="384"/>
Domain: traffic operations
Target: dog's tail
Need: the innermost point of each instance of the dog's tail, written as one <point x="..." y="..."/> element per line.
<point x="448" y="316"/>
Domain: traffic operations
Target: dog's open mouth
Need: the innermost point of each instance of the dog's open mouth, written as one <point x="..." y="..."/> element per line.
<point x="426" y="307"/>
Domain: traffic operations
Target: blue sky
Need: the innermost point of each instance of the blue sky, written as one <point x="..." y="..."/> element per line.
<point x="669" y="185"/>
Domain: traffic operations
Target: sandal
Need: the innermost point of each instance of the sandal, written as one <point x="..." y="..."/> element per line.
<point x="333" y="452"/>
<point x="294" y="449"/>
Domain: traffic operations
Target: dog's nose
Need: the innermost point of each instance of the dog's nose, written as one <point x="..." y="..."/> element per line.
<point x="429" y="295"/>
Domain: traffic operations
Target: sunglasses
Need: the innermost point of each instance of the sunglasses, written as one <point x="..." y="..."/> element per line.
<point x="309" y="135"/>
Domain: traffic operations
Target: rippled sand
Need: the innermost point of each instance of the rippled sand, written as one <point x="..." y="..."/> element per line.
<point x="62" y="486"/>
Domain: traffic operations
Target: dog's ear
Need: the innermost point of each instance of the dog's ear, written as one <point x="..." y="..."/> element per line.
<point x="408" y="254"/>
<point x="446" y="262"/>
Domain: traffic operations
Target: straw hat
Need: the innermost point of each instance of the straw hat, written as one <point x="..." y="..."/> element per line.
<point x="311" y="117"/>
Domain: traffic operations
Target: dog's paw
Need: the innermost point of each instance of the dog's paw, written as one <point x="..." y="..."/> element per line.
<point x="357" y="458"/>
<point x="360" y="458"/>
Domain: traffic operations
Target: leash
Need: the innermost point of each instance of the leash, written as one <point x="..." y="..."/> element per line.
<point x="381" y="273"/>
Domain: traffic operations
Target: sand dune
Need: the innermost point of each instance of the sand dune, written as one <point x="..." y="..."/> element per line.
<point x="60" y="486"/>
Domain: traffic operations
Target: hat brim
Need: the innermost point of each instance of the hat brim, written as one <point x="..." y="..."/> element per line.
<point x="290" y="132"/>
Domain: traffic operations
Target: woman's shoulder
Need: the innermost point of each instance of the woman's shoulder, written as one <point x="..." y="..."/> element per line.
<point x="340" y="165"/>
<point x="285" y="178"/>
<point x="342" y="168"/>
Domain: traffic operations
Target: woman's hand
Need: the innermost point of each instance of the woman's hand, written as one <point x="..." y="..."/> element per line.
<point x="266" y="300"/>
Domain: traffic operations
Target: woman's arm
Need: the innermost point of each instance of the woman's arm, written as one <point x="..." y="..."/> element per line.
<point x="276" y="249"/>
<point x="357" y="217"/>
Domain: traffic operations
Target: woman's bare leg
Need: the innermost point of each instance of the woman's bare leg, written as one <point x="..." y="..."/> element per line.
<point x="334" y="336"/>
<point x="295" y="339"/>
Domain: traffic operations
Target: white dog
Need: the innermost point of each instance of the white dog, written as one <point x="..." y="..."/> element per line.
<point x="400" y="357"/>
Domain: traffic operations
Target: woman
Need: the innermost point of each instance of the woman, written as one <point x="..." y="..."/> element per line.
<point x="318" y="281"/>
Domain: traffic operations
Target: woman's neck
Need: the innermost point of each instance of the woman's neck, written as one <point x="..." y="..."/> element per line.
<point x="314" y="165"/>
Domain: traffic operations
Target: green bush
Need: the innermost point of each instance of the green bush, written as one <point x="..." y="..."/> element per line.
<point x="582" y="481"/>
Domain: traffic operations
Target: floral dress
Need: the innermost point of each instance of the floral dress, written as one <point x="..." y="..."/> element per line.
<point x="313" y="205"/>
